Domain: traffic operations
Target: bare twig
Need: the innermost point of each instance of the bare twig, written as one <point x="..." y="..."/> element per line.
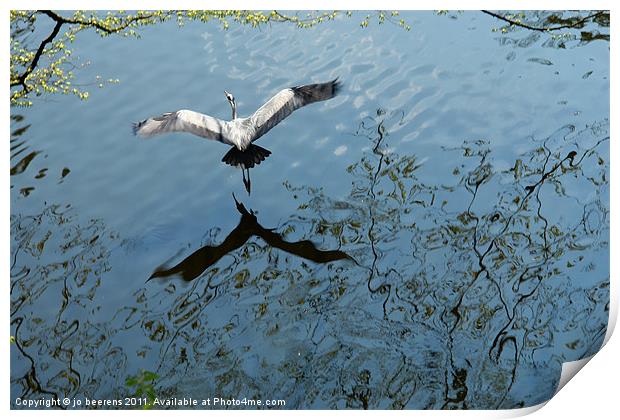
<point x="543" y="29"/>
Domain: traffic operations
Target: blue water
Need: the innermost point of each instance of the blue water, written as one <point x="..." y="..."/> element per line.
<point x="464" y="171"/>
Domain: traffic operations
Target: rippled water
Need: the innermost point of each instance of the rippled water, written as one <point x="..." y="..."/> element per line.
<point x="456" y="196"/>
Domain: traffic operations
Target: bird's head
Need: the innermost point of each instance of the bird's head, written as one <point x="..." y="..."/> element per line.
<point x="230" y="98"/>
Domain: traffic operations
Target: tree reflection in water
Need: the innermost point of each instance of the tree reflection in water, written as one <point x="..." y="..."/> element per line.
<point x="470" y="289"/>
<point x="57" y="263"/>
<point x="500" y="278"/>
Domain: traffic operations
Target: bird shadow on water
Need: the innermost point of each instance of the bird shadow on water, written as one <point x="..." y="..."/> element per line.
<point x="200" y="260"/>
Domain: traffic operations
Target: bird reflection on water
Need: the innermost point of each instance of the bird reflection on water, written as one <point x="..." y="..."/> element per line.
<point x="199" y="261"/>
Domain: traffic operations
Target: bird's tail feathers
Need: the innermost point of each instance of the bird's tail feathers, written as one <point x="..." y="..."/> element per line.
<point x="247" y="158"/>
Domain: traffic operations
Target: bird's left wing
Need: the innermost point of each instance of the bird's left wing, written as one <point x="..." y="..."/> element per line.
<point x="288" y="100"/>
<point x="181" y="121"/>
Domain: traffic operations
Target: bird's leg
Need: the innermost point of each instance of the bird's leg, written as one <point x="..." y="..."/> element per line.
<point x="246" y="181"/>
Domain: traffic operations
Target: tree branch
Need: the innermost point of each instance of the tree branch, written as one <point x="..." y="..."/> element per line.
<point x="295" y="19"/>
<point x="58" y="18"/>
<point x="542" y="29"/>
<point x="21" y="80"/>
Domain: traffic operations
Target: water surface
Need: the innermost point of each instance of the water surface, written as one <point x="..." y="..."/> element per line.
<point x="461" y="178"/>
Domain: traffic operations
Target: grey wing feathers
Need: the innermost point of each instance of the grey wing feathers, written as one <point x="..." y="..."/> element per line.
<point x="181" y="121"/>
<point x="308" y="94"/>
<point x="288" y="100"/>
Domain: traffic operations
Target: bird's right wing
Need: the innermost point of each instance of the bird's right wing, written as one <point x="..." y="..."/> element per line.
<point x="181" y="121"/>
<point x="288" y="100"/>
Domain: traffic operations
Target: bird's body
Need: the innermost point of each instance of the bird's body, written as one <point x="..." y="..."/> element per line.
<point x="240" y="133"/>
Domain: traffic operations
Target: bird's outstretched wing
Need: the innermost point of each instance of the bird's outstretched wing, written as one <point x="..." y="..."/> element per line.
<point x="288" y="100"/>
<point x="181" y="121"/>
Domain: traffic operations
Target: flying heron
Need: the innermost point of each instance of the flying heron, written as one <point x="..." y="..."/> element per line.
<point x="240" y="133"/>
